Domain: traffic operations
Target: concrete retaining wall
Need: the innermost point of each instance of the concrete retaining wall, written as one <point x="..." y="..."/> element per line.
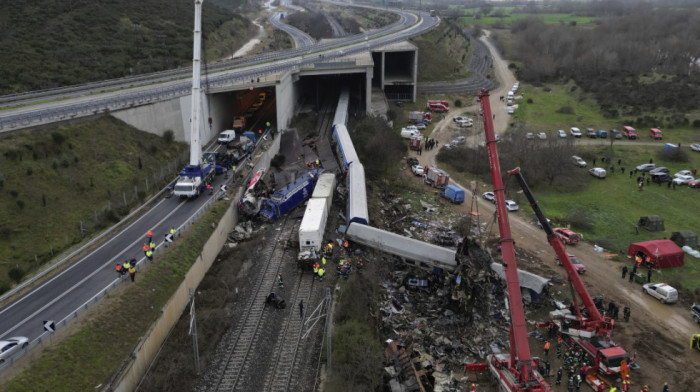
<point x="146" y="351"/>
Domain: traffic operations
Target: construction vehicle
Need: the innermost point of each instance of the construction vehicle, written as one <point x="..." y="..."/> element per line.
<point x="285" y="199"/>
<point x="589" y="330"/>
<point x="436" y="177"/>
<point x="196" y="176"/>
<point x="517" y="371"/>
<point x="438" y="106"/>
<point x="238" y="122"/>
<point x="424" y="117"/>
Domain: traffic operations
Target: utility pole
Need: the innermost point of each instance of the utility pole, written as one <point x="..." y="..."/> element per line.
<point x="328" y="330"/>
<point x="193" y="332"/>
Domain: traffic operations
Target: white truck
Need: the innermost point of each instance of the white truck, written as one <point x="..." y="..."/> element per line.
<point x="312" y="227"/>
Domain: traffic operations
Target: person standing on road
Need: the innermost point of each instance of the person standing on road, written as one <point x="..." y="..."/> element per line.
<point x="301" y="309"/>
<point x="665" y="387"/>
<point x="626" y="313"/>
<point x="649" y="275"/>
<point x="546" y="348"/>
<point x="149" y="255"/>
<point x="132" y="273"/>
<point x="624" y="271"/>
<point x="145" y="248"/>
<point x="280" y="281"/>
<point x="149" y="234"/>
<point x="119" y="270"/>
<point x="547" y="366"/>
<point x="560" y="372"/>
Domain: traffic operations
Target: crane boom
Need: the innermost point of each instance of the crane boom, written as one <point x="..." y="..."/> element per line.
<point x="521" y="362"/>
<point x="195" y="145"/>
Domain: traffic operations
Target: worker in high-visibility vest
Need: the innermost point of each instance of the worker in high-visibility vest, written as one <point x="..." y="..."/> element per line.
<point x="323" y="261"/>
<point x="330" y="248"/>
<point x="119" y="270"/>
<point x="145" y="248"/>
<point x="321" y="271"/>
<point x="149" y="234"/>
<point x="149" y="254"/>
<point x="172" y="231"/>
<point x="153" y="246"/>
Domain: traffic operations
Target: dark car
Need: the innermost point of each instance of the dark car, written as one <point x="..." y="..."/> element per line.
<point x="590" y="132"/>
<point x="663" y="177"/>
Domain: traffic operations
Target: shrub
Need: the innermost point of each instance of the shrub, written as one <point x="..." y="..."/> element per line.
<point x="529" y="100"/>
<point x="43" y="199"/>
<point x="140" y="164"/>
<point x="30" y="170"/>
<point x="54" y="164"/>
<point x="58" y="138"/>
<point x="546" y="89"/>
<point x="65" y="163"/>
<point x="676" y="155"/>
<point x="391" y="115"/>
<point x="16" y="274"/>
<point x="566" y="110"/>
<point x="2" y="180"/>
<point x="14" y="193"/>
<point x="168" y="136"/>
<point x="458" y="103"/>
<point x="4" y="287"/>
<point x="153" y="149"/>
<point x="20" y="204"/>
<point x="696" y="123"/>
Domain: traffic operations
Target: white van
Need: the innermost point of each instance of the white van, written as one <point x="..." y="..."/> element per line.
<point x="409" y="132"/>
<point x="598" y="172"/>
<point x="661" y="291"/>
<point x="226" y="136"/>
<point x="510" y="94"/>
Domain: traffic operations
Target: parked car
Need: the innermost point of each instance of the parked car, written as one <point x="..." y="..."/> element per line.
<point x="575" y="132"/>
<point x="659" y="170"/>
<point x="417" y="170"/>
<point x="420" y="125"/>
<point x="629" y="132"/>
<point x="615" y="134"/>
<point x="695" y="147"/>
<point x="511" y="110"/>
<point x="695" y="311"/>
<point x="660" y="178"/>
<point x="598" y="172"/>
<point x="460" y="119"/>
<point x="682" y="180"/>
<point x="10" y="346"/>
<point x="645" y="167"/>
<point x="567" y="236"/>
<point x="561" y="134"/>
<point x="541" y="135"/>
<point x="409" y="132"/>
<point x="590" y="132"/>
<point x="489" y="196"/>
<point x="578" y="266"/>
<point x="511" y="205"/>
<point x="695" y="183"/>
<point x="661" y="291"/>
<point x="578" y="161"/>
<point x="529" y="136"/>
<point x="459" y="140"/>
<point x="656" y="134"/>
<point x="602" y="133"/>
<point x="683" y="173"/>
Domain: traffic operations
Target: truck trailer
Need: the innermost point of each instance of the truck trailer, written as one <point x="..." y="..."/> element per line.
<point x="312" y="227"/>
<point x="453" y="194"/>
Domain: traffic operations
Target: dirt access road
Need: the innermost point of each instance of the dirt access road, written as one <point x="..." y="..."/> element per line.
<point x="659" y="334"/>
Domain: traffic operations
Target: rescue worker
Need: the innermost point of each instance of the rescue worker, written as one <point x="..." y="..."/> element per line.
<point x="318" y="163"/>
<point x="149" y="255"/>
<point x="625" y="385"/>
<point x="119" y="270"/>
<point x="613" y="389"/>
<point x="546" y="348"/>
<point x="132" y="273"/>
<point x="560" y="372"/>
<point x="126" y="266"/>
<point x="280" y="281"/>
<point x="345" y="245"/>
<point x="570" y="384"/>
<point x="321" y="271"/>
<point x="472" y="388"/>
<point x="624" y="271"/>
<point x="149" y="234"/>
<point x="665" y="387"/>
<point x="145" y="248"/>
<point x="560" y="342"/>
<point x="133" y="260"/>
<point x="330" y="248"/>
<point x="315" y="271"/>
<point x="546" y="368"/>
<point x="267" y="124"/>
<point x="172" y="232"/>
<point x="323" y="261"/>
<point x="579" y="380"/>
<point x="153" y="246"/>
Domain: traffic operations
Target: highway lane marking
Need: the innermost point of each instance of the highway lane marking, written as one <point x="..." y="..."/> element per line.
<point x="78" y="263"/>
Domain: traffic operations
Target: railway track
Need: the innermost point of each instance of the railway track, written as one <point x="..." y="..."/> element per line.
<point x="240" y="344"/>
<point x="282" y="367"/>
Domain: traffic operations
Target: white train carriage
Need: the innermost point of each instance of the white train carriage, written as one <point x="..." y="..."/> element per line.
<point x="357" y="195"/>
<point x="325" y="186"/>
<point x="341" y="111"/>
<point x="343" y="146"/>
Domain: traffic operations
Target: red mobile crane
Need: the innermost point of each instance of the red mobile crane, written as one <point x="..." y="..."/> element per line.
<point x="516" y="372"/>
<point x="591" y="331"/>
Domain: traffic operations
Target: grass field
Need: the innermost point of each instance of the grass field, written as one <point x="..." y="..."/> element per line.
<point x="542" y="112"/>
<point x="448" y="45"/>
<point x="54" y="178"/>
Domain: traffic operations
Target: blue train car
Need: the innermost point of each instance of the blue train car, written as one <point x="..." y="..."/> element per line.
<point x="357" y="195"/>
<point x="343" y="146"/>
<point x="285" y="199"/>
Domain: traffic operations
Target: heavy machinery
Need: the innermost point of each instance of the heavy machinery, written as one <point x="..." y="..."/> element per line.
<point x="197" y="175"/>
<point x="586" y="328"/>
<point x="517" y="371"/>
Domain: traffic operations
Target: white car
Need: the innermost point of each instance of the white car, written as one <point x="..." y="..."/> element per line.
<point x="682" y="180"/>
<point x="10" y="346"/>
<point x="530" y="136"/>
<point x="575" y="132"/>
<point x="598" y="172"/>
<point x="561" y="134"/>
<point x="511" y="110"/>
<point x="578" y="161"/>
<point x="461" y="119"/>
<point x="459" y="140"/>
<point x="489" y="196"/>
<point x="418" y="170"/>
<point x="541" y="135"/>
<point x="511" y="205"/>
<point x="661" y="291"/>
<point x="695" y="147"/>
<point x="683" y="173"/>
<point x="420" y="125"/>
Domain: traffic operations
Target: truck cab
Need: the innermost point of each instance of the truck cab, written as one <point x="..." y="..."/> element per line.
<point x="656" y="134"/>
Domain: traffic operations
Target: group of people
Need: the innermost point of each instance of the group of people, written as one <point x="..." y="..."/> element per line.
<point x="129" y="266"/>
<point x="430" y="143"/>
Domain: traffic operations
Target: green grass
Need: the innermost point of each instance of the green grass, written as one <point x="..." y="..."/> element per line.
<point x="510" y="18"/>
<point x="76" y="170"/>
<point x="615" y="204"/>
<point x="447" y="44"/>
<point x="90" y="356"/>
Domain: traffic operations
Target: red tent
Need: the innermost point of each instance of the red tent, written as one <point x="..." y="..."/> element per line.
<point x="663" y="253"/>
